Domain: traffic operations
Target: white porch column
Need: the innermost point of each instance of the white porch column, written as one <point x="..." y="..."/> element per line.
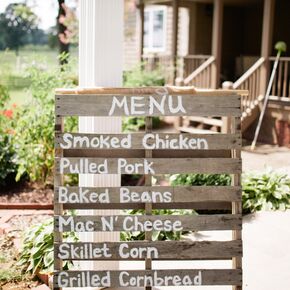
<point x="100" y="64"/>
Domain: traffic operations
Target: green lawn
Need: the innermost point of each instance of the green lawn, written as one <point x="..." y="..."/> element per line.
<point x="19" y="97"/>
<point x="13" y="69"/>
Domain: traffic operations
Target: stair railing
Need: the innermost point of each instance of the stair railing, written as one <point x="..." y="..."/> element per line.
<point x="281" y="85"/>
<point x="191" y="62"/>
<point x="202" y="76"/>
<point x="251" y="81"/>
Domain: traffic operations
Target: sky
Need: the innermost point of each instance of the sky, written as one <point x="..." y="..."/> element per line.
<point x="46" y="10"/>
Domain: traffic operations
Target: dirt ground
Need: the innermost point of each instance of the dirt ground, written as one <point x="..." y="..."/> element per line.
<point x="11" y="275"/>
<point x="27" y="193"/>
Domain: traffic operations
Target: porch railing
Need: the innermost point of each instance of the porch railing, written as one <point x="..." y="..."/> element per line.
<point x="202" y="76"/>
<point x="191" y="62"/>
<point x="250" y="81"/>
<point x="281" y="84"/>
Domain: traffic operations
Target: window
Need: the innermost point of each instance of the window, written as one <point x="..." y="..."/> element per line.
<point x="155" y="28"/>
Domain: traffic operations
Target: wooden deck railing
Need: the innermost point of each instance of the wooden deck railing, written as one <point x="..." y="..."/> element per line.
<point x="250" y="81"/>
<point x="191" y="62"/>
<point x="202" y="76"/>
<point x="281" y="84"/>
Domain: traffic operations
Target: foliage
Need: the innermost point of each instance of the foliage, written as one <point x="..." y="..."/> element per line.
<point x="266" y="190"/>
<point x="9" y="271"/>
<point x="34" y="133"/>
<point x="9" y="275"/>
<point x="156" y="235"/>
<point x="200" y="179"/>
<point x="16" y="24"/>
<point x="139" y="77"/>
<point x="131" y="124"/>
<point x="34" y="142"/>
<point x="4" y="96"/>
<point x="7" y="165"/>
<point x="37" y="253"/>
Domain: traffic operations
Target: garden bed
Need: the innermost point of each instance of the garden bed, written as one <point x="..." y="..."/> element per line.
<point x="11" y="277"/>
<point x="27" y="193"/>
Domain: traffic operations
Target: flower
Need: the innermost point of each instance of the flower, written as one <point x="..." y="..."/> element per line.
<point x="8" y="113"/>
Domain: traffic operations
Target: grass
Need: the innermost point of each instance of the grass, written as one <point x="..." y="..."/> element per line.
<point x="10" y="275"/>
<point x="13" y="68"/>
<point x="19" y="97"/>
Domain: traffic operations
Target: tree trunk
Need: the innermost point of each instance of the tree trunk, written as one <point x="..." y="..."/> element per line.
<point x="63" y="46"/>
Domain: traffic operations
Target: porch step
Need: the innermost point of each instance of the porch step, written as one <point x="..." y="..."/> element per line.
<point x="195" y="130"/>
<point x="206" y="121"/>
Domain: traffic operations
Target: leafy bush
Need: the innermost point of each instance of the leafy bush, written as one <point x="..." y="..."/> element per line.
<point x="200" y="179"/>
<point x="37" y="253"/>
<point x="34" y="133"/>
<point x="139" y="77"/>
<point x="267" y="190"/>
<point x="156" y="235"/>
<point x="131" y="124"/>
<point x="7" y="165"/>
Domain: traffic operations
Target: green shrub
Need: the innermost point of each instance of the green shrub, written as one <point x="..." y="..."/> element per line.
<point x="34" y="133"/>
<point x="266" y="190"/>
<point x="7" y="165"/>
<point x="156" y="235"/>
<point x="37" y="252"/>
<point x="132" y="124"/>
<point x="139" y="77"/>
<point x="200" y="179"/>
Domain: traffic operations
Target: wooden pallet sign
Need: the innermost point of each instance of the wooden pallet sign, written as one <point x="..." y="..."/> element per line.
<point x="148" y="153"/>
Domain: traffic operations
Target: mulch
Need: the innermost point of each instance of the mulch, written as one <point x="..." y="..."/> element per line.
<point x="27" y="192"/>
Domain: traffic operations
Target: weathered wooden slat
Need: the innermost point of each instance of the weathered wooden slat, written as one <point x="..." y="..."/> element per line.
<point x="146" y="222"/>
<point x="148" y="204"/>
<point x="237" y="205"/>
<point x="141" y="278"/>
<point x="139" y="153"/>
<point x="144" y="105"/>
<point x="173" y="90"/>
<point x="140" y="250"/>
<point x="147" y="165"/>
<point x="195" y="141"/>
<point x="143" y="194"/>
<point x="58" y="181"/>
<point x="215" y="205"/>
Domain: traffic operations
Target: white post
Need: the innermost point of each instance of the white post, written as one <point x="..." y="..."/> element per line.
<point x="100" y="64"/>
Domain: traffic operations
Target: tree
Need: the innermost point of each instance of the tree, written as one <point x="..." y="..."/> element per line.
<point x="16" y="25"/>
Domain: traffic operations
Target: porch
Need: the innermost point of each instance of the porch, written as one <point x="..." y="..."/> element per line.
<point x="242" y="54"/>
